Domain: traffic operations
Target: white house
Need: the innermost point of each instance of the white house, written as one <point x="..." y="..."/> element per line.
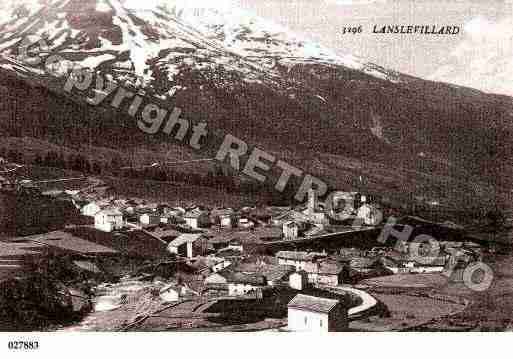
<point x="167" y="218"/>
<point x="90" y="209"/>
<point x="300" y="260"/>
<point x="242" y="284"/>
<point x="246" y="223"/>
<point x="189" y="245"/>
<point x="314" y="314"/>
<point x="237" y="283"/>
<point x="369" y="214"/>
<point x="226" y="220"/>
<point x="225" y="217"/>
<point x="197" y="219"/>
<point x="290" y="230"/>
<point x="149" y="219"/>
<point x="298" y="280"/>
<point x="407" y="264"/>
<point x="108" y="220"/>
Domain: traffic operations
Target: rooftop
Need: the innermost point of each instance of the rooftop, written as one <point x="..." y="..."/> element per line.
<point x="195" y="214"/>
<point x="186" y="238"/>
<point x="314" y="304"/>
<point x="330" y="268"/>
<point x="168" y="233"/>
<point x="299" y="256"/>
<point x="244" y="278"/>
<point x="271" y="272"/>
<point x="110" y="212"/>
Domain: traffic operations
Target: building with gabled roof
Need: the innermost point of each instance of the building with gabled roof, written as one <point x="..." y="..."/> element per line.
<point x="109" y="220"/>
<point x="189" y="245"/>
<point x="290" y="215"/>
<point x="90" y="209"/>
<point x="149" y="218"/>
<point x="236" y="283"/>
<point x="197" y="218"/>
<point x="298" y="259"/>
<point x="315" y="314"/>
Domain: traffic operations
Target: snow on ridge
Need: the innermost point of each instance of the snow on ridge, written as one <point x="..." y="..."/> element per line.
<point x="202" y="34"/>
<point x="140" y="49"/>
<point x="249" y="35"/>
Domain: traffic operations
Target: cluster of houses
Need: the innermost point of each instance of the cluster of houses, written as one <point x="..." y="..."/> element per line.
<point x="212" y="247"/>
<point x="212" y="244"/>
<point x="114" y="214"/>
<point x="313" y="268"/>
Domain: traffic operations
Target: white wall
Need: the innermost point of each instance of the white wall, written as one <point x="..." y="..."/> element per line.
<point x="300" y="265"/>
<point x="304" y="321"/>
<point x="298" y="281"/>
<point x="90" y="209"/>
<point x="193" y="222"/>
<point x="108" y="223"/>
<point x="101" y="224"/>
<point x="226" y="222"/>
<point x="149" y="219"/>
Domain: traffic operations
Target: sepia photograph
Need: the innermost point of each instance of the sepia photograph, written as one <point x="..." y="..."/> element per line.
<point x="254" y="166"/>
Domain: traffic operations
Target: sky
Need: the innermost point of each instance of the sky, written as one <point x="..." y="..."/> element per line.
<point x="481" y="56"/>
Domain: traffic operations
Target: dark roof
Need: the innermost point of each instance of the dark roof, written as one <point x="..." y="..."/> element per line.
<point x="330" y="268"/>
<point x="292" y="216"/>
<point x="202" y="264"/>
<point x="271" y="272"/>
<point x="244" y="278"/>
<point x="228" y="253"/>
<point x="314" y="304"/>
<point x="222" y="212"/>
<point x="299" y="256"/>
<point x="195" y="214"/>
<point x="261" y="213"/>
<point x="277" y="272"/>
<point x="168" y="233"/>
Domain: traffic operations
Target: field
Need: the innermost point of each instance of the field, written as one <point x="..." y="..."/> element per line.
<point x="404" y="281"/>
<point x="488" y="310"/>
<point x="406" y="311"/>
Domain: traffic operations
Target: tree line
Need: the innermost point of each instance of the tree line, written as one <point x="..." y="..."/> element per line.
<point x="216" y="177"/>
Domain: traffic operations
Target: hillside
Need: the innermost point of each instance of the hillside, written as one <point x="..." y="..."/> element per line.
<point x="334" y="116"/>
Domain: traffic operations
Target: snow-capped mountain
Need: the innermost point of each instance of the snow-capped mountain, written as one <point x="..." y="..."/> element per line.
<point x="131" y="43"/>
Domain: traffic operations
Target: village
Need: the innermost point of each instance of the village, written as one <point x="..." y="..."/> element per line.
<point x="137" y="264"/>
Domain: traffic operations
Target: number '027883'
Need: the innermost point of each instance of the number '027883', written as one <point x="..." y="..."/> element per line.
<point x="23" y="345"/>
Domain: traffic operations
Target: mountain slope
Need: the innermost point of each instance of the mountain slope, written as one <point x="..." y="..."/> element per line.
<point x="252" y="79"/>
